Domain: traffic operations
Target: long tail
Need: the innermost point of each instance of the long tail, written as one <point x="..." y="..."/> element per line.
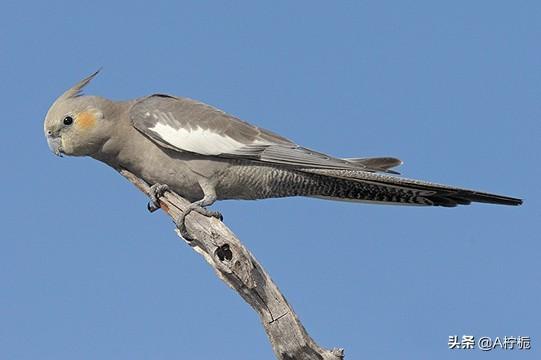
<point x="373" y="187"/>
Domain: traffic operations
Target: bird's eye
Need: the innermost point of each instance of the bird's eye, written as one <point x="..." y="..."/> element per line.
<point x="68" y="120"/>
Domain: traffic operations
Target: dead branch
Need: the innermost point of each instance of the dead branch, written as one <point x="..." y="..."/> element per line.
<point x="238" y="268"/>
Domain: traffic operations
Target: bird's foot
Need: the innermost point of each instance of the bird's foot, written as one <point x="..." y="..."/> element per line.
<point x="156" y="191"/>
<point x="181" y="224"/>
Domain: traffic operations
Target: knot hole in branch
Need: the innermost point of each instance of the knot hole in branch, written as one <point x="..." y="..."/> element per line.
<point x="224" y="252"/>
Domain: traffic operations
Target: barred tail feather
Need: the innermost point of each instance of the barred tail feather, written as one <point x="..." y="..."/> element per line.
<point x="380" y="188"/>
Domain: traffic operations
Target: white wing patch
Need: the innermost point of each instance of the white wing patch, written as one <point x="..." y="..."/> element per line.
<point x="204" y="142"/>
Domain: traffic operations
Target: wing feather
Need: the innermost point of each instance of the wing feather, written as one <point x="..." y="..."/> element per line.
<point x="186" y="125"/>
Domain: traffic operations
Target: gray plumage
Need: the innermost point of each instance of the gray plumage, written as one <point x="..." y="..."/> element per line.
<point x="204" y="155"/>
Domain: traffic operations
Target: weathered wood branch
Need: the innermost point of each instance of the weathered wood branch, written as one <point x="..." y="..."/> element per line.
<point x="238" y="268"/>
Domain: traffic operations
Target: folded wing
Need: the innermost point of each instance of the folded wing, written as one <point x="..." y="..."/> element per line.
<point x="189" y="126"/>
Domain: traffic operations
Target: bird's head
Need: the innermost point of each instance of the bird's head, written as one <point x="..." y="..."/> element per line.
<point x="78" y="125"/>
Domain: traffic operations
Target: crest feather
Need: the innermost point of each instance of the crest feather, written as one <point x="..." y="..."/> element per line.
<point x="77" y="89"/>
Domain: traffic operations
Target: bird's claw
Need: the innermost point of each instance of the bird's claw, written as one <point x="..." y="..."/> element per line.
<point x="180" y="222"/>
<point x="156" y="191"/>
<point x="181" y="226"/>
<point x="216" y="214"/>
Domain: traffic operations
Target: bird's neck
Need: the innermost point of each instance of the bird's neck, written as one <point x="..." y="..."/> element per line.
<point x="119" y="137"/>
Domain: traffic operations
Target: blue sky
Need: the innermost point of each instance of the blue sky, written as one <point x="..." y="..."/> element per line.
<point x="451" y="88"/>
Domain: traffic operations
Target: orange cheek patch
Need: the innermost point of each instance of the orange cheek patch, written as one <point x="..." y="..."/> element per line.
<point x="86" y="120"/>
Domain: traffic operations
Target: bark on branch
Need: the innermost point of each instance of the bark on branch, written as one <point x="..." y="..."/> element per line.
<point x="238" y="268"/>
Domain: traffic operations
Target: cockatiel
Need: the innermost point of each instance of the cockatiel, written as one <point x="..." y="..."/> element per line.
<point x="204" y="155"/>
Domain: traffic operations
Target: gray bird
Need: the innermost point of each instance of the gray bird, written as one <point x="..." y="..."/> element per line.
<point x="204" y="155"/>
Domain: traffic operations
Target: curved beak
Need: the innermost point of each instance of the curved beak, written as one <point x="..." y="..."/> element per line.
<point x="55" y="144"/>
